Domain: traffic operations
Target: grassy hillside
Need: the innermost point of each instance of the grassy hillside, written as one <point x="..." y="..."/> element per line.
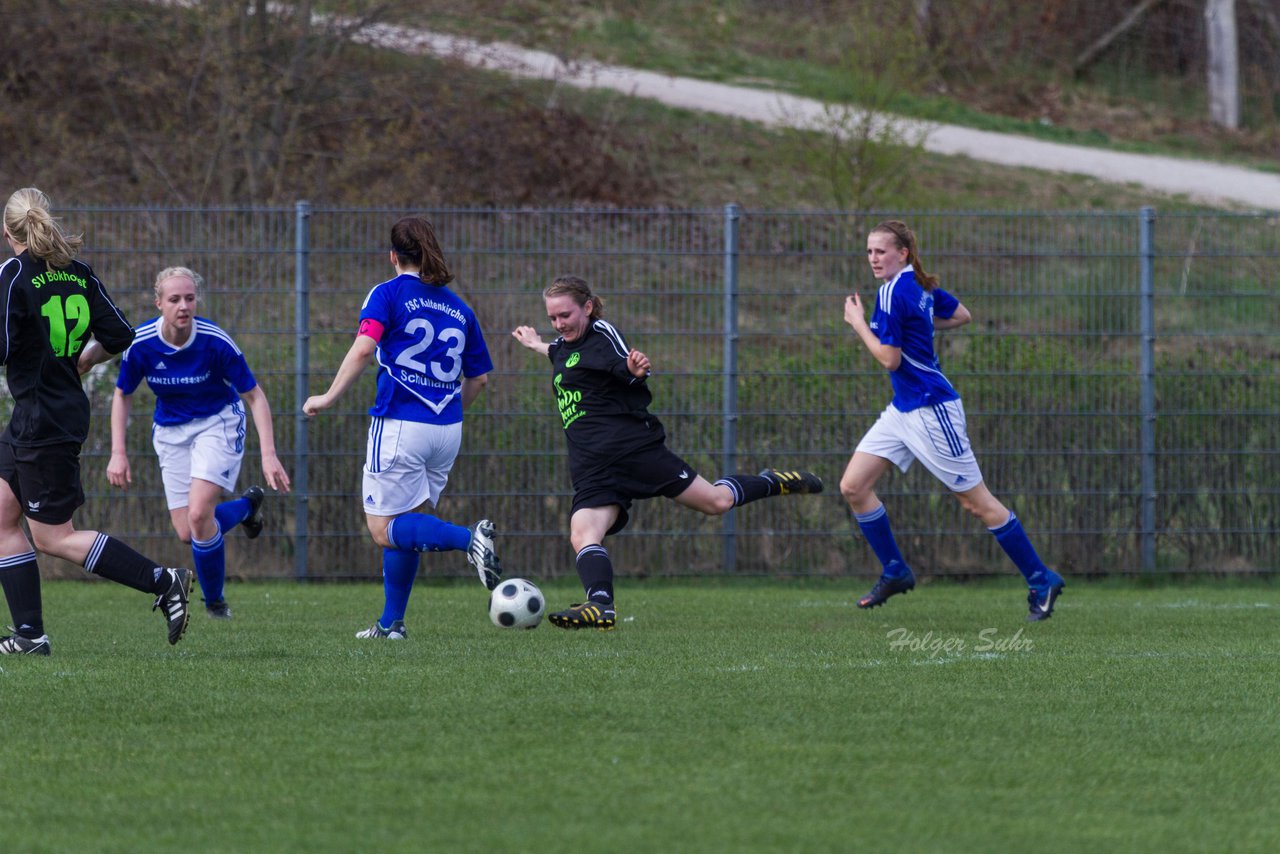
<point x="214" y="106"/>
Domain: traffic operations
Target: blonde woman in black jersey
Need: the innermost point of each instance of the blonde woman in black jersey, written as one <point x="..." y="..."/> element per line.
<point x="54" y="305"/>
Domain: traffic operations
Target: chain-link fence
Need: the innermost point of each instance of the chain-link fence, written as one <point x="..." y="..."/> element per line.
<point x="1120" y="378"/>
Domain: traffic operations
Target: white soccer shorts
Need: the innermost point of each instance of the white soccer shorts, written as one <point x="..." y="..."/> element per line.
<point x="406" y="464"/>
<point x="935" y="435"/>
<point x="209" y="448"/>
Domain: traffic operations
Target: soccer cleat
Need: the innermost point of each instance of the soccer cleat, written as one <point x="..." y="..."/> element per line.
<point x="794" y="482"/>
<point x="18" y="645"/>
<point x="174" y="602"/>
<point x="885" y="587"/>
<point x="218" y="610"/>
<point x="253" y="523"/>
<point x="396" y="632"/>
<point x="1040" y="600"/>
<point x="595" y="615"/>
<point x="481" y="555"/>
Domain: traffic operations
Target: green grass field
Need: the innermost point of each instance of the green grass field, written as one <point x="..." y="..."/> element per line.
<point x="730" y="716"/>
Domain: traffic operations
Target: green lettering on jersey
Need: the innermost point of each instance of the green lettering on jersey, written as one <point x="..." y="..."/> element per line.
<point x="567" y="400"/>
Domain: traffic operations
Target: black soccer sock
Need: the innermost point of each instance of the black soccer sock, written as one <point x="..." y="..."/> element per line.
<point x="595" y="569"/>
<point x="749" y="487"/>
<point x="112" y="559"/>
<point x="20" y="577"/>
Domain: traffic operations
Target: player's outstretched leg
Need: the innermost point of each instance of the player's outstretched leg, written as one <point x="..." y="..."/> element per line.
<point x="794" y="482"/>
<point x="747" y="488"/>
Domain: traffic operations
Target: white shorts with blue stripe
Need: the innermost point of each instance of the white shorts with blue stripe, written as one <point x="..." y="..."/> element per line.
<point x="935" y="435"/>
<point x="209" y="448"/>
<point x="407" y="464"/>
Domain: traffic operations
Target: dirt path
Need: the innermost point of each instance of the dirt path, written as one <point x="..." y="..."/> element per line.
<point x="1202" y="181"/>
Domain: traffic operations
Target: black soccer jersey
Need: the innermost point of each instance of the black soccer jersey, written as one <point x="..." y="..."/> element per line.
<point x="50" y="315"/>
<point x="604" y="409"/>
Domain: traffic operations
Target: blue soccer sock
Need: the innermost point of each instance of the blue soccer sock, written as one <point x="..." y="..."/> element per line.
<point x="232" y="513"/>
<point x="595" y="570"/>
<point x="1013" y="539"/>
<point x="420" y="532"/>
<point x="875" y="527"/>
<point x="399" y="568"/>
<point x="210" y="559"/>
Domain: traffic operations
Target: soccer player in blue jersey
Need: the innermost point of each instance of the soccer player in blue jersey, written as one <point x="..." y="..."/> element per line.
<point x="199" y="377"/>
<point x="924" y="421"/>
<point x="432" y="364"/>
<point x="53" y="305"/>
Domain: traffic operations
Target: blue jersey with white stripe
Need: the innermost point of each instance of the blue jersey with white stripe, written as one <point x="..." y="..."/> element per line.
<point x="903" y="318"/>
<point x="431" y="341"/>
<point x="192" y="381"/>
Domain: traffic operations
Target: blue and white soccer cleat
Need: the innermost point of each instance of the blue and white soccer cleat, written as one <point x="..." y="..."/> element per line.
<point x="396" y="632"/>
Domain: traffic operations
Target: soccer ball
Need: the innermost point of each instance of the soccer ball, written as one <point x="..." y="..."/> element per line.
<point x="516" y="604"/>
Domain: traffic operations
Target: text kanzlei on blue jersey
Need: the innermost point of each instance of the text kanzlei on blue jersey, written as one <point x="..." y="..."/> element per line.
<point x="431" y="341"/>
<point x="903" y="318"/>
<point x="192" y="381"/>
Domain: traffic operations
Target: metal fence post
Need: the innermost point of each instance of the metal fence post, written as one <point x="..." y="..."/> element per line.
<point x="1146" y="251"/>
<point x="729" y="403"/>
<point x="302" y="370"/>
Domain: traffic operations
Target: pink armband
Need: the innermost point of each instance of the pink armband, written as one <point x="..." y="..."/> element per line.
<point x="371" y="328"/>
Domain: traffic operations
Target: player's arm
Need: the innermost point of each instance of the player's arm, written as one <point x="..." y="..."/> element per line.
<point x="959" y="317"/>
<point x="359" y="357"/>
<point x="471" y="388"/>
<point x="529" y="337"/>
<point x="118" y="473"/>
<point x="886" y="354"/>
<point x="94" y="354"/>
<point x="272" y="469"/>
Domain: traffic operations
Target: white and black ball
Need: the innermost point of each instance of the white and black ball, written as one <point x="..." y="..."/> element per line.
<point x="516" y="604"/>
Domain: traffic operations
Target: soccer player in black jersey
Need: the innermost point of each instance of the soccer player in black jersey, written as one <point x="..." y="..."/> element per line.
<point x="617" y="450"/>
<point x="53" y="304"/>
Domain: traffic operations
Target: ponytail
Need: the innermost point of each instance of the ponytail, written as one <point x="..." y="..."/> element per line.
<point x="28" y="221"/>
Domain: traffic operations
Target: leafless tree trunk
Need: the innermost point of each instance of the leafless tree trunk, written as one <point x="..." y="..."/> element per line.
<point x="1224" y="62"/>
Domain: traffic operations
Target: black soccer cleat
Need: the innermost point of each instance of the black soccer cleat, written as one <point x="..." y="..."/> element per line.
<point x="796" y="482"/>
<point x="588" y="615"/>
<point x="1040" y="600"/>
<point x="16" y="644"/>
<point x="253" y="523"/>
<point x="885" y="587"/>
<point x="218" y="610"/>
<point x="174" y="602"/>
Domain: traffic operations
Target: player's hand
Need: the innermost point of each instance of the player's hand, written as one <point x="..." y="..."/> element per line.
<point x="118" y="473"/>
<point x="854" y="314"/>
<point x="273" y="471"/>
<point x="638" y="364"/>
<point x="528" y="336"/>
<point x="315" y="403"/>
